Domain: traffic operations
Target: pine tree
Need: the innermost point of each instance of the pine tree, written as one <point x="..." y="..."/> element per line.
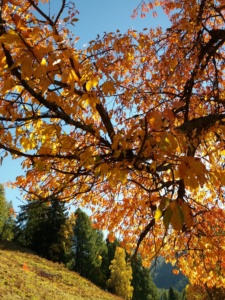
<point x="144" y="287"/>
<point x="89" y="249"/>
<point x="164" y="295"/>
<point x="6" y="217"/>
<point x="107" y="259"/>
<point x="183" y="294"/>
<point x="173" y="294"/>
<point x="38" y="227"/>
<point x="66" y="237"/>
<point x="3" y="207"/>
<point x="121" y="275"/>
<point x="7" y="233"/>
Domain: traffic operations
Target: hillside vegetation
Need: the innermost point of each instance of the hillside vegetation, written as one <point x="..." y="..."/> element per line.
<point x="24" y="275"/>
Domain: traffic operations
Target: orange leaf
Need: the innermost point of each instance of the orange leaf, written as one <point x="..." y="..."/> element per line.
<point x="188" y="218"/>
<point x="25" y="268"/>
<point x="176" y="271"/>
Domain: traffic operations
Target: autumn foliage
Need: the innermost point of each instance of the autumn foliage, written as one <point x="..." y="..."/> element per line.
<point x="120" y="275"/>
<point x="133" y="127"/>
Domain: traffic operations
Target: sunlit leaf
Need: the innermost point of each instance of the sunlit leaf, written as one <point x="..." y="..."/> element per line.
<point x="188" y="217"/>
<point x="158" y="214"/>
<point x="177" y="217"/>
<point x="92" y="83"/>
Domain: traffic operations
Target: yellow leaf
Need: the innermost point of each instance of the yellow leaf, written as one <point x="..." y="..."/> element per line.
<point x="73" y="76"/>
<point x="43" y="62"/>
<point x="95" y="81"/>
<point x="76" y="63"/>
<point x="91" y="83"/>
<point x="158" y="214"/>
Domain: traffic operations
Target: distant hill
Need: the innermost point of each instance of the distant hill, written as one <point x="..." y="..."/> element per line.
<point x="164" y="278"/>
<point x="24" y="275"/>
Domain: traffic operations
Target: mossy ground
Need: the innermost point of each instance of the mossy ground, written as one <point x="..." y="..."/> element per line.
<point x="24" y="275"/>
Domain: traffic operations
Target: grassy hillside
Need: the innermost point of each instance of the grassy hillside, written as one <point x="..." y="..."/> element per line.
<point x="24" y="275"/>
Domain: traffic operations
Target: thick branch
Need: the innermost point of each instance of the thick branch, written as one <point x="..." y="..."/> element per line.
<point x="143" y="235"/>
<point x="106" y="120"/>
<point x="201" y="123"/>
<point x="32" y="156"/>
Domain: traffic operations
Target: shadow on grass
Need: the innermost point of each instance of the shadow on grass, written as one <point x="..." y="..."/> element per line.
<point x="12" y="246"/>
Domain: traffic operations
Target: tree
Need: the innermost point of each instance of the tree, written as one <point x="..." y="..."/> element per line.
<point x="9" y="225"/>
<point x="6" y="217"/>
<point x="121" y="275"/>
<point x="89" y="249"/>
<point x="107" y="259"/>
<point x="195" y="292"/>
<point x="132" y="126"/>
<point x="215" y="293"/>
<point x="163" y="295"/>
<point x="173" y="294"/>
<point x="66" y="238"/>
<point x="183" y="294"/>
<point x="144" y="287"/>
<point x="42" y="226"/>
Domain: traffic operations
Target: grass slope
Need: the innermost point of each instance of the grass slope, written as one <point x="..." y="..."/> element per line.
<point x="24" y="275"/>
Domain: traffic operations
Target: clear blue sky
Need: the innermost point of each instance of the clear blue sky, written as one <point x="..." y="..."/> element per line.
<point x="96" y="17"/>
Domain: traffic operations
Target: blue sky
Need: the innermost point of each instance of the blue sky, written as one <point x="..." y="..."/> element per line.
<point x="96" y="17"/>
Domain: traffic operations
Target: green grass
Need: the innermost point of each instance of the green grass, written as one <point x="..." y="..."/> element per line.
<point x="24" y="275"/>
